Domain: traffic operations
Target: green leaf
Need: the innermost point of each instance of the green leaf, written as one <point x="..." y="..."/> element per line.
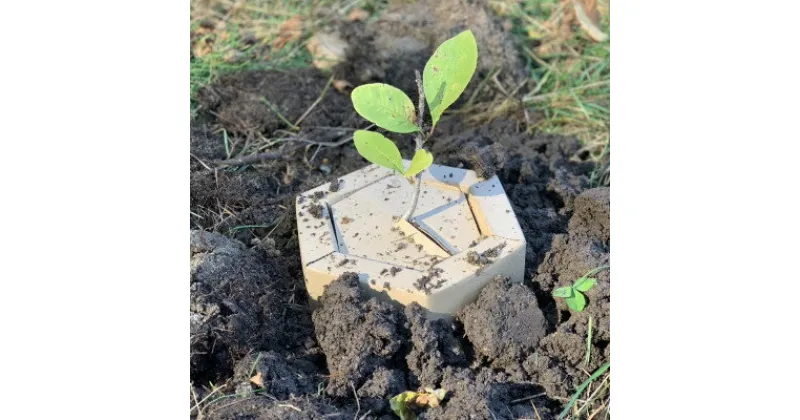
<point x="563" y="292"/>
<point x="448" y="72"/>
<point x="584" y="284"/>
<point x="386" y="106"/>
<point x="576" y="302"/>
<point x="377" y="149"/>
<point x="422" y="159"/>
<point x="399" y="405"/>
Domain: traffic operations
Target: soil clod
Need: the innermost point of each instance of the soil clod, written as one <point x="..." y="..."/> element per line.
<point x="505" y="324"/>
<point x="359" y="335"/>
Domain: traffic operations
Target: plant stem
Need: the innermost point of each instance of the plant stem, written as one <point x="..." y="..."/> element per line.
<point x="418" y="145"/>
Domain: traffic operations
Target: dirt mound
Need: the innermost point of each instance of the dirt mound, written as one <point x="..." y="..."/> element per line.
<point x="584" y="248"/>
<point x="238" y="304"/>
<point x="592" y="215"/>
<point x="505" y="323"/>
<point x="363" y="340"/>
<point x="560" y="361"/>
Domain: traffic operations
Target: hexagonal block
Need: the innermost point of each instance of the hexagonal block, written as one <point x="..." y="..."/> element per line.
<point x="462" y="233"/>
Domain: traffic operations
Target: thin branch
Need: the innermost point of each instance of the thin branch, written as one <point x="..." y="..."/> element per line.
<point x="358" y="403"/>
<point x="420" y="107"/>
<point x="319" y="99"/>
<point x="274" y="109"/>
<point x="265" y="156"/>
<point x="419" y="142"/>
<point x="250" y="159"/>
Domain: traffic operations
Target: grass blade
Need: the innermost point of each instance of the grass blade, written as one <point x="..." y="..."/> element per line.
<point x="582" y="388"/>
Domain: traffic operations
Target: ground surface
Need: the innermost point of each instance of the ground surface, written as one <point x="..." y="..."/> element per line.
<point x="516" y="353"/>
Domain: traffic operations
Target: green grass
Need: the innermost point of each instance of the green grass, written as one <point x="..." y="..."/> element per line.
<point x="240" y="36"/>
<point x="571" y="72"/>
<point x="204" y="70"/>
<point x="582" y="388"/>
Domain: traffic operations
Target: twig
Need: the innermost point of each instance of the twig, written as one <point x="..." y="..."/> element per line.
<point x="250" y="159"/>
<point x="194" y="395"/>
<point x="319" y="99"/>
<point x="481" y="85"/>
<point x="273" y="230"/>
<point x="265" y="156"/>
<point x="591" y="416"/>
<point x="529" y="398"/>
<point x="355" y="394"/>
<point x="535" y="410"/>
<point x="278" y="113"/>
<point x="197" y="406"/>
<point x="582" y="388"/>
<point x="201" y="162"/>
<point x="293" y="407"/>
<point x="588" y="343"/>
<point x="603" y="386"/>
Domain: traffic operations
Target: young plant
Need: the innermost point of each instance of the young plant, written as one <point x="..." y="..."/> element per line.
<point x="444" y="79"/>
<point x="573" y="295"/>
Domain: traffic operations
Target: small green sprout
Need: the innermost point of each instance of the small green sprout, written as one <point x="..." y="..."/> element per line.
<point x="573" y="295"/>
<point x="402" y="403"/>
<point x="444" y="79"/>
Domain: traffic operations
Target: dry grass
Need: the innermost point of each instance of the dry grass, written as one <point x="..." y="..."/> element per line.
<point x="570" y="87"/>
<point x="236" y="35"/>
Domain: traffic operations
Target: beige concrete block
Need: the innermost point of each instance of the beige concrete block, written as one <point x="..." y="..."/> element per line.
<point x="432" y="260"/>
<point x="493" y="211"/>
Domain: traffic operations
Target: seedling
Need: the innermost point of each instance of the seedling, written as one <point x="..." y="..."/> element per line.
<point x="573" y="295"/>
<point x="444" y="79"/>
<point x="402" y="403"/>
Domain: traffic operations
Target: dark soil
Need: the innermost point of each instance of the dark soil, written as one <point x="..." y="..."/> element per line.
<point x="250" y="315"/>
<point x="505" y="323"/>
<point x="404" y="37"/>
<point x="240" y="302"/>
<point x="362" y="339"/>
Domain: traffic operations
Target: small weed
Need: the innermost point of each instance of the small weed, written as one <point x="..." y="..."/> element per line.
<point x="573" y="294"/>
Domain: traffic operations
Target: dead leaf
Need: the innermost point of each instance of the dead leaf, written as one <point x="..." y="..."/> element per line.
<point x="288" y="32"/>
<point x="589" y="19"/>
<point x="327" y="50"/>
<point x="233" y="56"/>
<point x="203" y="46"/>
<point x="357" y="14"/>
<point x="258" y="380"/>
<point x="423" y="400"/>
<point x="342" y="85"/>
